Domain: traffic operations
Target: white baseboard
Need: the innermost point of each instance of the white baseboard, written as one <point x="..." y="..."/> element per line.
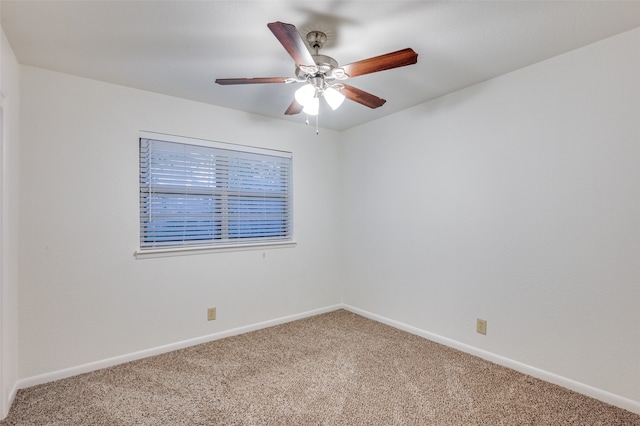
<point x="110" y="362"/>
<point x="599" y="394"/>
<point x="573" y="385"/>
<point x="6" y="407"/>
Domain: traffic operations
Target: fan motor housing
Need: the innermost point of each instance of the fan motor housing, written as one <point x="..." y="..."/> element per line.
<point x="327" y="66"/>
<point x="324" y="63"/>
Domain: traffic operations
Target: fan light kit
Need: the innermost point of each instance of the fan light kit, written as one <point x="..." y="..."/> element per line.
<point x="321" y="74"/>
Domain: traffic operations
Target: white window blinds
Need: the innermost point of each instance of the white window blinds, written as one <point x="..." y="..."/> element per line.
<point x="194" y="195"/>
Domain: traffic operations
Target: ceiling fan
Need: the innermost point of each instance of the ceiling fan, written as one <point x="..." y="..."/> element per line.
<point x="322" y="75"/>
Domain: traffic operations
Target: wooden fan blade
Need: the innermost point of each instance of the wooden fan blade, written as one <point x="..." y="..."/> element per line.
<point x="292" y="42"/>
<point x="294" y="108"/>
<point x="388" y="61"/>
<point x="225" y="81"/>
<point x="362" y="97"/>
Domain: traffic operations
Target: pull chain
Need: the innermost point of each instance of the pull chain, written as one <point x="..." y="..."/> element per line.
<point x="317" y="128"/>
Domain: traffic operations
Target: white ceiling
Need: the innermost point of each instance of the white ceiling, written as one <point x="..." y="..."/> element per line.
<point x="180" y="47"/>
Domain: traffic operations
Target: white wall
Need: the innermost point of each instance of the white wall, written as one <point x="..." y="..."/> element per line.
<point x="10" y="110"/>
<point x="518" y="201"/>
<point x="83" y="295"/>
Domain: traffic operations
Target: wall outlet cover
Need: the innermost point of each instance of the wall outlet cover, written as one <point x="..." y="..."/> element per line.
<point x="481" y="326"/>
<point x="211" y="314"/>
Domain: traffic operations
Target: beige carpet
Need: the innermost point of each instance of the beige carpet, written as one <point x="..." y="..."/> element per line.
<point x="333" y="369"/>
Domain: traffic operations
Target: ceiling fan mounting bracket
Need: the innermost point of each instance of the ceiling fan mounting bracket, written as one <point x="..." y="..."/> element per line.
<point x="316" y="40"/>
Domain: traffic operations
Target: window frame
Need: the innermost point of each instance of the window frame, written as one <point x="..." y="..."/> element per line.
<point x="232" y="244"/>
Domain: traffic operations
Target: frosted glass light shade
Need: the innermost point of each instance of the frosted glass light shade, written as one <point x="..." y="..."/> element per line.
<point x="312" y="107"/>
<point x="305" y="95"/>
<point x="333" y="97"/>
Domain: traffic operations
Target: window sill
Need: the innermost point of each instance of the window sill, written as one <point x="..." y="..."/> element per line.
<point x="188" y="251"/>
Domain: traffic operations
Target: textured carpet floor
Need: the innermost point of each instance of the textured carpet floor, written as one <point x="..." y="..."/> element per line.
<point x="333" y="369"/>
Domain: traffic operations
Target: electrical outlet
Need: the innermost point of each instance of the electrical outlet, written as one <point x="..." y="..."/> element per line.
<point x="211" y="314"/>
<point x="481" y="326"/>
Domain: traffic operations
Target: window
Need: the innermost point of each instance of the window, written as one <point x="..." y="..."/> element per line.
<point x="200" y="193"/>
